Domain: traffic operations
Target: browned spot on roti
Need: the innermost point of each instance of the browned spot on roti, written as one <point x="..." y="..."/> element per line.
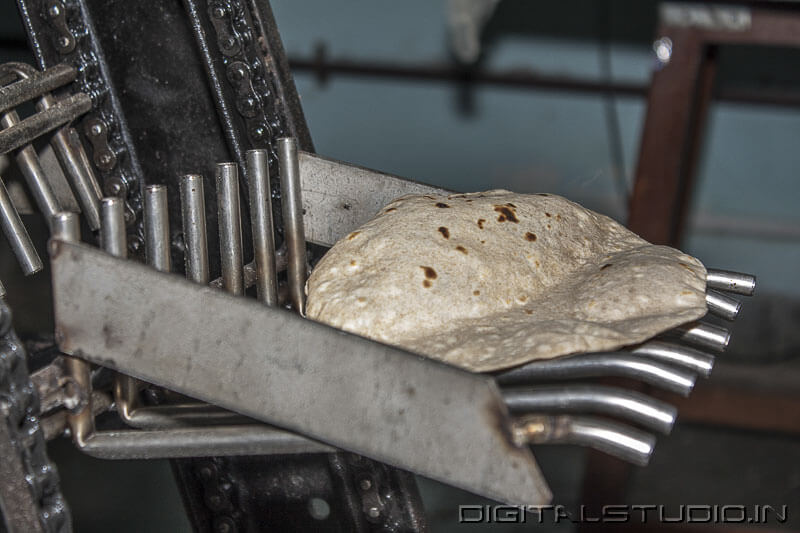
<point x="506" y="213"/>
<point x="353" y="263"/>
<point x="605" y="266"/>
<point x="558" y="217"/>
<point x="548" y="215"/>
<point x="445" y="232"/>
<point x="536" y="262"/>
<point x="530" y="237"/>
<point x="429" y="272"/>
<point x="426" y="283"/>
<point x="461" y="249"/>
<point x="528" y="312"/>
<point x="390" y="210"/>
<point x="476" y="292"/>
<point x="353" y="235"/>
<point x="481" y="222"/>
<point x="442" y="205"/>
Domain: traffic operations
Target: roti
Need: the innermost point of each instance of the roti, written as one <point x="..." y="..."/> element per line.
<point x="491" y="280"/>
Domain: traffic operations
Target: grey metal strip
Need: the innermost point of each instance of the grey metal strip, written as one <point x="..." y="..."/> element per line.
<point x="274" y="366"/>
<point x="339" y="197"/>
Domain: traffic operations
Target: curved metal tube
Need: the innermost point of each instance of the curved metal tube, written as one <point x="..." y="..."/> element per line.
<point x="735" y="282"/>
<point x="615" y="439"/>
<point x="721" y="305"/>
<point x="622" y="364"/>
<point x="703" y="334"/>
<point x="675" y="354"/>
<point x="595" y="399"/>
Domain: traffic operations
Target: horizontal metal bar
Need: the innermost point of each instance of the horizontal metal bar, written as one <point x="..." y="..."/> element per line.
<point x="338" y="388"/>
<point x="198" y="442"/>
<point x="721" y="305"/>
<point x="702" y="334"/>
<point x="675" y="354"/>
<point x="36" y="125"/>
<point x="182" y="416"/>
<point x="616" y="364"/>
<point x="615" y="439"/>
<point x="593" y="399"/>
<point x="37" y="84"/>
<point x="725" y="280"/>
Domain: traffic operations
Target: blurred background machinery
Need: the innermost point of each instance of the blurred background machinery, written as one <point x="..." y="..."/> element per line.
<point x="678" y="119"/>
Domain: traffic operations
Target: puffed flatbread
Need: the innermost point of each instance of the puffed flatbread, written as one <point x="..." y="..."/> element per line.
<point x="491" y="280"/>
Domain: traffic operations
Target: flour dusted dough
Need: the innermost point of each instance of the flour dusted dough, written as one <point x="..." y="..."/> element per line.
<point x="491" y="280"/>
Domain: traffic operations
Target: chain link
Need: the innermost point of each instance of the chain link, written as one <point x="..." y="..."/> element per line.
<point x="19" y="408"/>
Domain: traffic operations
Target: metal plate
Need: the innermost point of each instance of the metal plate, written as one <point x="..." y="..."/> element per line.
<point x="339" y="197"/>
<point x="272" y="365"/>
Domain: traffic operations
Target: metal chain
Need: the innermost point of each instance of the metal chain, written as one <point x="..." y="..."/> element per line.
<point x="22" y="445"/>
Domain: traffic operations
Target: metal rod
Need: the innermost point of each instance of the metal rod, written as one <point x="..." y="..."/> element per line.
<point x="112" y="227"/>
<point x="621" y="364"/>
<point x="35" y="84"/>
<point x="17" y="235"/>
<point x="113" y="239"/>
<point x="595" y="399"/>
<point x="73" y="159"/>
<point x="25" y="131"/>
<point x="193" y="208"/>
<point x="294" y="232"/>
<point x="615" y="439"/>
<point x="722" y="305"/>
<point x="703" y="334"/>
<point x="176" y="416"/>
<point x="262" y="223"/>
<point x="675" y="354"/>
<point x="199" y="442"/>
<point x="230" y="228"/>
<point x="65" y="227"/>
<point x="735" y="282"/>
<point x="250" y="271"/>
<point x="156" y="227"/>
<point x="31" y="168"/>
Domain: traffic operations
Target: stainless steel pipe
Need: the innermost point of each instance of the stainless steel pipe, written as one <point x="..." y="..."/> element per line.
<point x="619" y="364"/>
<point x="615" y="439"/>
<point x="735" y="282"/>
<point x="31" y="168"/>
<point x="18" y="238"/>
<point x="199" y="442"/>
<point x="73" y="159"/>
<point x="23" y="132"/>
<point x="262" y="224"/>
<point x="65" y="227"/>
<point x="702" y="334"/>
<point x="721" y="305"/>
<point x="156" y="227"/>
<point x="675" y="354"/>
<point x="112" y="227"/>
<point x="594" y="399"/>
<point x="230" y="228"/>
<point x="293" y="229"/>
<point x="193" y="208"/>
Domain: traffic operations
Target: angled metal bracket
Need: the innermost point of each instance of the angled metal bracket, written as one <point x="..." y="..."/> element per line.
<point x="274" y="366"/>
